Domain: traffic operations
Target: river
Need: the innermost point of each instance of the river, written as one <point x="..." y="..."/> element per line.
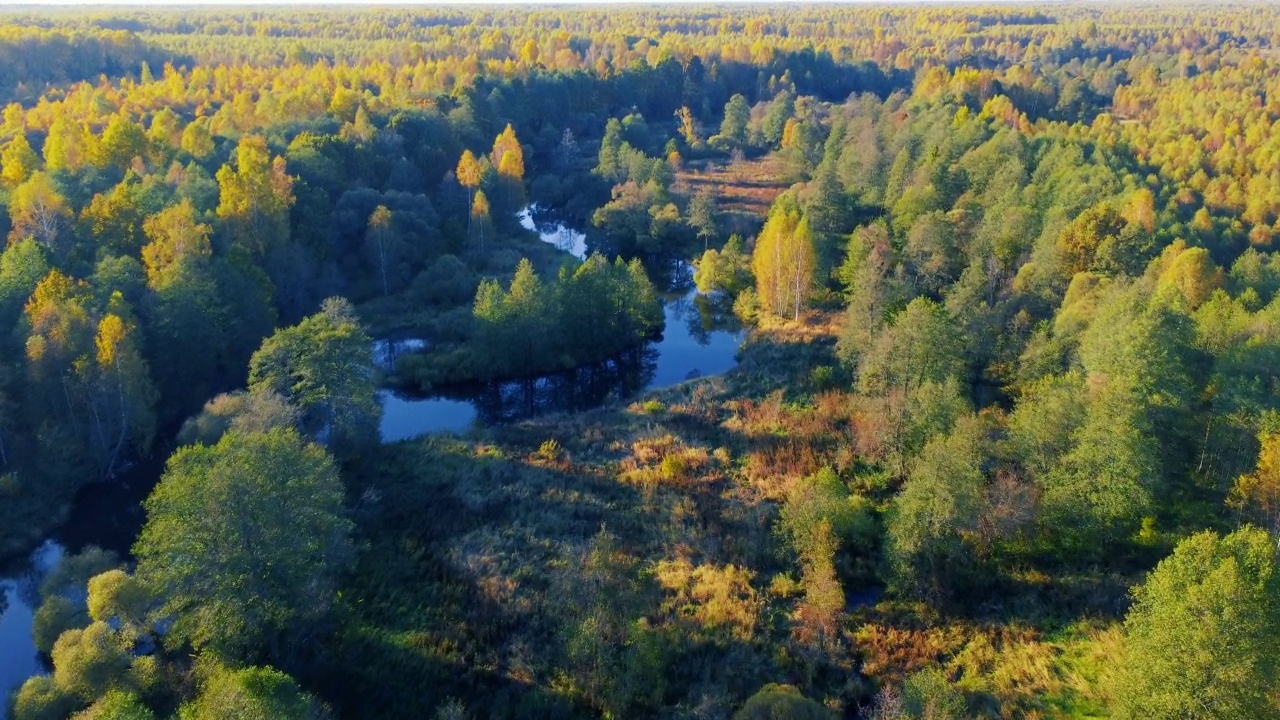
<point x="691" y="345"/>
<point x="110" y="515"/>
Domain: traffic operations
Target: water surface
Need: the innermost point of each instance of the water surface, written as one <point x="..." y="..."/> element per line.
<point x="694" y="343"/>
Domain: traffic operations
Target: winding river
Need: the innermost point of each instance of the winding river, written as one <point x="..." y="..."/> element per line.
<point x="110" y="515"/>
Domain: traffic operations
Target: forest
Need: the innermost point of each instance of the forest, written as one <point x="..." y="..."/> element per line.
<point x="1001" y="436"/>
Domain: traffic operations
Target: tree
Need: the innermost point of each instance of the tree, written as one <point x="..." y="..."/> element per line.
<point x="783" y="260"/>
<point x="122" y="141"/>
<point x="609" y="165"/>
<point x="780" y="110"/>
<point x="117" y="705"/>
<point x="244" y="542"/>
<point x="324" y="365"/>
<point x="928" y="695"/>
<point x="737" y="113"/>
<point x="64" y="147"/>
<point x="937" y="512"/>
<point x="1202" y="639"/>
<point x="378" y="235"/>
<point x="1079" y="243"/>
<point x="177" y="238"/>
<point x="688" y="127"/>
<point x="88" y="662"/>
<point x="18" y="161"/>
<point x="115" y="219"/>
<point x="124" y="407"/>
<point x="38" y="210"/>
<point x="480" y="217"/>
<point x="508" y="159"/>
<point x="1193" y="275"/>
<point x="246" y="412"/>
<point x="469" y="177"/>
<point x="255" y="197"/>
<point x="22" y="266"/>
<point x="197" y="141"/>
<point x="727" y="271"/>
<point x="1257" y="494"/>
<point x="921" y="344"/>
<point x="702" y="215"/>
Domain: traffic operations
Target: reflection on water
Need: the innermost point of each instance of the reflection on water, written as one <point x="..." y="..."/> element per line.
<point x="461" y="407"/>
<point x="19" y="598"/>
<point x="386" y="350"/>
<point x="698" y="340"/>
<point x="405" y="417"/>
<point x="557" y="234"/>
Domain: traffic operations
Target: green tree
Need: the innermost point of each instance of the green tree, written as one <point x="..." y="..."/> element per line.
<point x="244" y="542"/>
<point x="122" y="141"/>
<point x="727" y="271"/>
<point x="254" y="693"/>
<point x="1202" y="639"/>
<point x="702" y="215"/>
<point x="780" y="110"/>
<point x="117" y="705"/>
<point x="22" y="266"/>
<point x="324" y="365"/>
<point x="737" y="113"/>
<point x="921" y="344"/>
<point x="930" y="527"/>
<point x="1110" y="479"/>
<point x="88" y="662"/>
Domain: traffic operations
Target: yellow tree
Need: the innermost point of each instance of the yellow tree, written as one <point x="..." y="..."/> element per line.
<point x="378" y="235"/>
<point x="508" y="158"/>
<point x="64" y="147"/>
<point x="783" y="260"/>
<point x="123" y="406"/>
<point x="469" y="177"/>
<point x="175" y="236"/>
<point x="1257" y="494"/>
<point x="480" y="215"/>
<point x="18" y="161"/>
<point x="39" y="211"/>
<point x="255" y="197"/>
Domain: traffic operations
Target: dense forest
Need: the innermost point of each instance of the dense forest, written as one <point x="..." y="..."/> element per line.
<point x="1002" y="441"/>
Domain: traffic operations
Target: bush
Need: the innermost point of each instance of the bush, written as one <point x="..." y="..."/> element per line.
<point x="550" y="451"/>
<point x="774" y="702"/>
<point x="928" y="695"/>
<point x="56" y="615"/>
<point x="747" y="307"/>
<point x="41" y="699"/>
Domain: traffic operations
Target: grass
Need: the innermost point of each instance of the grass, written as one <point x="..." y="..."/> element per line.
<point x="623" y="561"/>
<point x="745" y="190"/>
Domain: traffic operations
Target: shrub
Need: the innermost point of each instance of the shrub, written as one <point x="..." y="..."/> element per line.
<point x="781" y="701"/>
<point x="550" y="451"/>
